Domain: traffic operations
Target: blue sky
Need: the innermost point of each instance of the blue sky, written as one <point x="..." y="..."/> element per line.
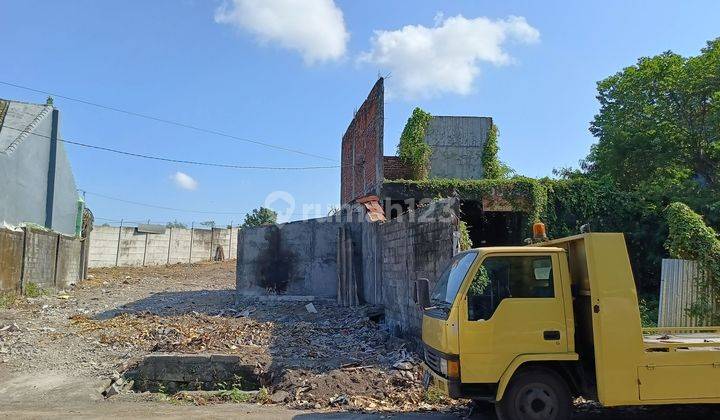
<point x="294" y="79"/>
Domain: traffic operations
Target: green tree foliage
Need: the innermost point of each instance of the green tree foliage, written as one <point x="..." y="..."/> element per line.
<point x="690" y="238"/>
<point x="176" y="224"/>
<point x="412" y="149"/>
<point x="659" y="122"/>
<point x="208" y="223"/>
<point x="658" y="133"/>
<point x="260" y="217"/>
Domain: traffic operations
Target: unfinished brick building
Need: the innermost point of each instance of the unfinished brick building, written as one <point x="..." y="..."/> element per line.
<point x="457" y="144"/>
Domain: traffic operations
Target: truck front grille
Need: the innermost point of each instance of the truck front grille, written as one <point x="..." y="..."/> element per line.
<point x="432" y="359"/>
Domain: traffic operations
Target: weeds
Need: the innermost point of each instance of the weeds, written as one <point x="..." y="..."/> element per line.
<point x="7" y="300"/>
<point x="263" y="396"/>
<point x="235" y="395"/>
<point x="434" y="395"/>
<point x="32" y="290"/>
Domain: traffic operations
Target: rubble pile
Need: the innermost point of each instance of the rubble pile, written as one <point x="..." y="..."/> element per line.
<point x="192" y="333"/>
<point x="320" y="357"/>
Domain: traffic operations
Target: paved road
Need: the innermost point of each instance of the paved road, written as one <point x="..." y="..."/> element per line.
<point x="156" y="410"/>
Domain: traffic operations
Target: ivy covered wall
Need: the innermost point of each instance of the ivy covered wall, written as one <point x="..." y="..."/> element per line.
<point x="563" y="205"/>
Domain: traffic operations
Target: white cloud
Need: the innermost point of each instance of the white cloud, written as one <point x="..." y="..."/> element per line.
<point x="314" y="28"/>
<point x="445" y="58"/>
<point x="184" y="181"/>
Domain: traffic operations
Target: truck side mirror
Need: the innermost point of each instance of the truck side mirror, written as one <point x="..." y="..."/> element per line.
<point x="422" y="293"/>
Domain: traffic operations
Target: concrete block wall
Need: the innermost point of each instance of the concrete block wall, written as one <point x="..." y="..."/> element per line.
<point x="34" y="256"/>
<point x="297" y="258"/>
<point x="201" y="245"/>
<point x="11" y="256"/>
<point x="131" y="251"/>
<point x="412" y="248"/>
<point x="156" y="252"/>
<point x="180" y="246"/>
<point x="67" y="266"/>
<point x="171" y="247"/>
<point x="103" y="246"/>
<point x="39" y="256"/>
<point x="457" y="146"/>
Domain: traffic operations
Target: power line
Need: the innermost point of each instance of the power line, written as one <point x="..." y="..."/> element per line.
<point x="173" y="208"/>
<point x="188" y="162"/>
<point x="137" y="203"/>
<point x="171" y="122"/>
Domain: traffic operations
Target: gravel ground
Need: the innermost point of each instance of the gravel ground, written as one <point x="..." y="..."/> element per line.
<point x="59" y="351"/>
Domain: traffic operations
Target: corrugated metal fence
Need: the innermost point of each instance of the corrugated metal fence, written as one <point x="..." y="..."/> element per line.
<point x="678" y="291"/>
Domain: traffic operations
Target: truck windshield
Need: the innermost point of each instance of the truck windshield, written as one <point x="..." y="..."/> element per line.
<point x="451" y="279"/>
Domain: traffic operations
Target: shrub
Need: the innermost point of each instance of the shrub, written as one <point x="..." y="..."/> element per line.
<point x="691" y="239"/>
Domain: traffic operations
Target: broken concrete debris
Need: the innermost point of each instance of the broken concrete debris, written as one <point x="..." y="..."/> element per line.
<point x="279" y="396"/>
<point x="330" y="357"/>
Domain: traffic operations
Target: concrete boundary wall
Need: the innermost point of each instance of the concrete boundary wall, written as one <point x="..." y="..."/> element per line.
<point x="46" y="259"/>
<point x="296" y="258"/>
<point x="412" y="248"/>
<point x="11" y="258"/>
<point x="39" y="259"/>
<point x="124" y="246"/>
<point x="381" y="264"/>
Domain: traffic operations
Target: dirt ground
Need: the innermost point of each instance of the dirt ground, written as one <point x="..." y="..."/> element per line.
<point x="59" y="351"/>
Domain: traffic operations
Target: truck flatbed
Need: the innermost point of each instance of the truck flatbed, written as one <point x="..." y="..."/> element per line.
<point x="682" y="339"/>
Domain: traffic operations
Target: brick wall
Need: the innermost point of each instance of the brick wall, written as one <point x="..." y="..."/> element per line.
<point x="362" y="148"/>
<point x="414" y="245"/>
<point x="395" y="168"/>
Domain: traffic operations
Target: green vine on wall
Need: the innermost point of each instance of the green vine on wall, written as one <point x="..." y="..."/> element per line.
<point x="412" y="149"/>
<point x="492" y="168"/>
<point x="526" y="195"/>
<point x="691" y="239"/>
<point x="465" y="241"/>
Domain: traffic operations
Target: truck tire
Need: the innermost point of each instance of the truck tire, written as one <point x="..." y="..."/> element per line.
<point x="535" y="394"/>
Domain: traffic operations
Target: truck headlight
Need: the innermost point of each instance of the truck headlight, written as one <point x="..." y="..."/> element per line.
<point x="450" y="368"/>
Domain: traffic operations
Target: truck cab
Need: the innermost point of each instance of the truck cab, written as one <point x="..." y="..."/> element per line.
<point x="530" y="327"/>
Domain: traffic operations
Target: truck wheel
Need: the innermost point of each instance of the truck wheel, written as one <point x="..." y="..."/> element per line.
<point x="536" y="394"/>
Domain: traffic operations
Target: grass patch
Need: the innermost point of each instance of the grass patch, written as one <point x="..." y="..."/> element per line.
<point x="235" y="395"/>
<point x="32" y="290"/>
<point x="7" y="300"/>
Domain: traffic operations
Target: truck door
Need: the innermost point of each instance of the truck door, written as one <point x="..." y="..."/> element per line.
<point x="513" y="305"/>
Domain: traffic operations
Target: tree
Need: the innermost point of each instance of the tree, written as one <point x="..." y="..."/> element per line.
<point x="260" y="217"/>
<point x="208" y="223"/>
<point x="659" y="123"/>
<point x="176" y="224"/>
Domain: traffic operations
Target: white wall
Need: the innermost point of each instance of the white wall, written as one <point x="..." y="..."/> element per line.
<point x="170" y="247"/>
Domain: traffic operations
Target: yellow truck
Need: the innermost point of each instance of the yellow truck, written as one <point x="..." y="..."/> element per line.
<point x="530" y="328"/>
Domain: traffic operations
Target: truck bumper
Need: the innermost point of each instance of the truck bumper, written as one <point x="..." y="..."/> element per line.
<point x="449" y="387"/>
